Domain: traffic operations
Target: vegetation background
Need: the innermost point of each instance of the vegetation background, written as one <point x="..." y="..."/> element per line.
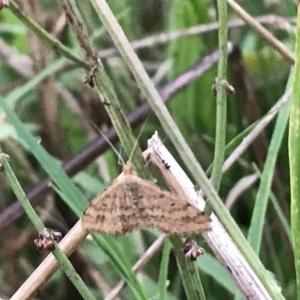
<point x="65" y="115"/>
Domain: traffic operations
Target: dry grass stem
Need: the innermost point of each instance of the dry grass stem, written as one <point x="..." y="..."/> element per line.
<point x="263" y="32"/>
<point x="218" y="239"/>
<point x="41" y="274"/>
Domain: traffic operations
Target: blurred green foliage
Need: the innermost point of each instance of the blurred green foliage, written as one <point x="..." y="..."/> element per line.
<point x="193" y="109"/>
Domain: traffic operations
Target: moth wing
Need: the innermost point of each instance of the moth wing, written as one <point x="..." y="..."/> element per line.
<point x="112" y="212"/>
<point x="168" y="212"/>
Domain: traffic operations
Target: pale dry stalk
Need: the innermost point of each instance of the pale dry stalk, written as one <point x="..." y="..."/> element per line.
<point x="218" y="239"/>
<point x="44" y="271"/>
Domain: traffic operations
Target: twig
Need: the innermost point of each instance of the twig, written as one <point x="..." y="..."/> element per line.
<point x="162" y="38"/>
<point x="239" y="188"/>
<point x="263" y="32"/>
<point x="43" y="272"/>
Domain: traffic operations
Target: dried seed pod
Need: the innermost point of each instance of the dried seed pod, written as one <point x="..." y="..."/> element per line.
<point x="191" y="250"/>
<point x="46" y="238"/>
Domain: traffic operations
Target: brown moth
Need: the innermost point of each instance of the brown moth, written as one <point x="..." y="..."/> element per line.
<point x="131" y="202"/>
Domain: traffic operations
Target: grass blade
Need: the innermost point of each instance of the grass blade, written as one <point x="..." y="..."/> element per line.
<point x="163" y="271"/>
<point x="294" y="154"/>
<point x="263" y="194"/>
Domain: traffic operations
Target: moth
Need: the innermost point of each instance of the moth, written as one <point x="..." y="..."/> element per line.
<point x="131" y="202"/>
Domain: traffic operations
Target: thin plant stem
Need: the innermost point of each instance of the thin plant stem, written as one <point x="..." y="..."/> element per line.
<point x="221" y="112"/>
<point x="38" y="224"/>
<point x="105" y="89"/>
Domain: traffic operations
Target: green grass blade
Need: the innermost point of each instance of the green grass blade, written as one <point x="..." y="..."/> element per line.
<point x="16" y="94"/>
<point x="163" y="271"/>
<point x="211" y="266"/>
<point x="294" y="157"/>
<point x="263" y="194"/>
<point x="281" y="216"/>
<point x="50" y="165"/>
<point x="264" y="191"/>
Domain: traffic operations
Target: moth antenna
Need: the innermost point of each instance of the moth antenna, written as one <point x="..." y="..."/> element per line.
<point x="120" y="158"/>
<point x="137" y="140"/>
